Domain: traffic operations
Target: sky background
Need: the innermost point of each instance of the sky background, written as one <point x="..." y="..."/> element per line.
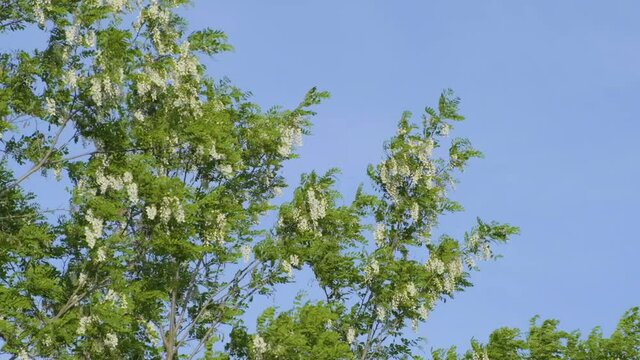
<point x="550" y="91"/>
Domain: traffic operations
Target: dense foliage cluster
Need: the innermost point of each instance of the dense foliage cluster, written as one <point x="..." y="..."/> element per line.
<point x="163" y="246"/>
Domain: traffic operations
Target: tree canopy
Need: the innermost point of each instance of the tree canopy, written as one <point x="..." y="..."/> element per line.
<point x="171" y="174"/>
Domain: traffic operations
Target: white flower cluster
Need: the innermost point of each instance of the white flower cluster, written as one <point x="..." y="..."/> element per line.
<point x="246" y="251"/>
<point x="288" y="265"/>
<point x="226" y="170"/>
<point x="290" y="137"/>
<point x="38" y="10"/>
<point x="381" y="312"/>
<point x="161" y="17"/>
<point x="213" y="153"/>
<point x="111" y="340"/>
<point x="217" y="233"/>
<point x="372" y="269"/>
<point x="482" y="356"/>
<point x="152" y="332"/>
<point x="435" y="265"/>
<point x="104" y="87"/>
<point x="117" y="5"/>
<point x="24" y="355"/>
<point x="351" y="335"/>
<point x="171" y="207"/>
<point x="406" y="296"/>
<point x="187" y="64"/>
<point x="84" y="322"/>
<point x="101" y="255"/>
<point x="317" y="207"/>
<point x="415" y="212"/>
<point x="259" y="345"/>
<point x="116" y="299"/>
<point x="301" y="220"/>
<point x="379" y="234"/>
<point x="89" y="39"/>
<point x="94" y="230"/>
<point x="71" y="34"/>
<point x="50" y="107"/>
<point x="71" y="78"/>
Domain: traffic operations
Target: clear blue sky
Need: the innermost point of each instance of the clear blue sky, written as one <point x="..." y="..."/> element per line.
<point x="551" y="93"/>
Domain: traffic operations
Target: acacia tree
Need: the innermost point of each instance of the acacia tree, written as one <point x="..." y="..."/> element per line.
<point x="170" y="172"/>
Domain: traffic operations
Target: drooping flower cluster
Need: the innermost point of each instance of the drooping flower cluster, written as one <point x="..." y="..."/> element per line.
<point x="291" y="137"/>
<point x="171" y="207"/>
<point x="246" y="251"/>
<point x="94" y="230"/>
<point x="259" y="346"/>
<point x="111" y="340"/>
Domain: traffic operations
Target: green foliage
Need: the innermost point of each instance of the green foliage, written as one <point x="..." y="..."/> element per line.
<point x="546" y="342"/>
<point x="163" y="247"/>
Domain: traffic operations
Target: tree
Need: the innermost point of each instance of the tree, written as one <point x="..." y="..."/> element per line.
<point x="170" y="172"/>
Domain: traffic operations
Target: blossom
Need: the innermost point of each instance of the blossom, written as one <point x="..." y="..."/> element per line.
<point x="290" y="138"/>
<point x="89" y="39"/>
<point x="101" y="255"/>
<point x="246" y="253"/>
<point x="286" y="266"/>
<point x="444" y="131"/>
<point x="96" y="90"/>
<point x="132" y="192"/>
<point x="423" y="311"/>
<point x="317" y="207"/>
<point x="411" y="289"/>
<point x="351" y="336"/>
<point x="138" y="115"/>
<point x="378" y="234"/>
<point x="82" y="279"/>
<point x="111" y="340"/>
<point x="151" y="212"/>
<point x="213" y="153"/>
<point x="94" y="230"/>
<point x="24" y="355"/>
<point x="259" y="345"/>
<point x="50" y="106"/>
<point x="226" y="170"/>
<point x="381" y="312"/>
<point x="294" y="260"/>
<point x="415" y="212"/>
<point x="436" y="265"/>
<point x="84" y="322"/>
<point x="71" y="78"/>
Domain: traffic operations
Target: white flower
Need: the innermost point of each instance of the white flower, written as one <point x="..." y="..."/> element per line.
<point x="381" y="312"/>
<point x="436" y="265"/>
<point x="444" y="131"/>
<point x="84" y="322"/>
<point x="351" y="336"/>
<point x="423" y="311"/>
<point x="411" y="290"/>
<point x="132" y="192"/>
<point x="89" y="39"/>
<point x="138" y="115"/>
<point x="39" y="13"/>
<point x="50" y="106"/>
<point x="111" y="340"/>
<point x="24" y="355"/>
<point x="226" y="170"/>
<point x="96" y="90"/>
<point x="328" y="325"/>
<point x="378" y="234"/>
<point x="259" y="345"/>
<point x="286" y="266"/>
<point x="486" y="251"/>
<point x="101" y="255"/>
<point x="214" y="153"/>
<point x="179" y="213"/>
<point x="294" y="260"/>
<point x="82" y="279"/>
<point x="246" y="253"/>
<point x="117" y="5"/>
<point x="151" y="212"/>
<point x="415" y="212"/>
<point x="71" y="33"/>
<point x="127" y="177"/>
<point x="94" y="230"/>
<point x="290" y="137"/>
<point x="317" y="207"/>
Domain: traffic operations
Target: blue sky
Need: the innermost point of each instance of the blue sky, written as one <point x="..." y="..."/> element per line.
<point x="550" y="90"/>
